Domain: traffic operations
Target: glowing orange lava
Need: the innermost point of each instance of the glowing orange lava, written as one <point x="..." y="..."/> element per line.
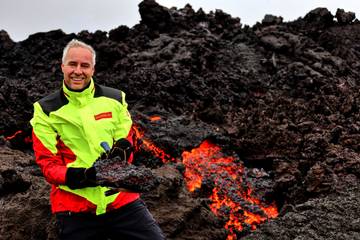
<point x="28" y="140"/>
<point x="149" y="146"/>
<point x="230" y="197"/>
<point x="21" y="137"/>
<point x="155" y="118"/>
<point x="14" y="135"/>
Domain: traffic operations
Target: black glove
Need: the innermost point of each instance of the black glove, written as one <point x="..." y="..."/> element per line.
<point x="122" y="148"/>
<point x="80" y="177"/>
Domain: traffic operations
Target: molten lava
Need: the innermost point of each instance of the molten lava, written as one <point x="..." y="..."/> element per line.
<point x="14" y="135"/>
<point x="231" y="197"/>
<point x="20" y="136"/>
<point x="149" y="146"/>
<point x="155" y="118"/>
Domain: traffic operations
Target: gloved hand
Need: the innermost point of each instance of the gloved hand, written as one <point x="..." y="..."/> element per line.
<point x="80" y="177"/>
<point x="122" y="148"/>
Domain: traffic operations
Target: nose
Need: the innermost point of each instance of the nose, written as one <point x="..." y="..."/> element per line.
<point x="77" y="69"/>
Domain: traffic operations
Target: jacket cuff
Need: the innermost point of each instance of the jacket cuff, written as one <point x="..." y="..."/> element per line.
<point x="62" y="175"/>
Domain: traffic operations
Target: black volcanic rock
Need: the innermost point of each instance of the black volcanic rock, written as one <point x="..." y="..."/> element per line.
<point x="155" y="16"/>
<point x="119" y="33"/>
<point x="271" y="19"/>
<point x="344" y="17"/>
<point x="319" y="17"/>
<point x="5" y="41"/>
<point x="319" y="218"/>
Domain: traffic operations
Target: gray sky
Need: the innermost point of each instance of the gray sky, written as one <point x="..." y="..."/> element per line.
<point x="20" y="18"/>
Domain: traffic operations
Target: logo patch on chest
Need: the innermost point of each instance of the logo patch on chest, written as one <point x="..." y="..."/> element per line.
<point x="103" y="115"/>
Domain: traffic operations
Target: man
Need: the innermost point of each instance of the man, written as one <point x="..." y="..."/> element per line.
<point x="68" y="129"/>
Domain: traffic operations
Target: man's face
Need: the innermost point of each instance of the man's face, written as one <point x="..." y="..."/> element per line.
<point x="78" y="68"/>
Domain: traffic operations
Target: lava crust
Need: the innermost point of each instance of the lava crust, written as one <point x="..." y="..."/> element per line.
<point x="116" y="173"/>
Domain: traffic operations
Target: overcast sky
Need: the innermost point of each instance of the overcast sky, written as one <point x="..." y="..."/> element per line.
<point x="20" y="18"/>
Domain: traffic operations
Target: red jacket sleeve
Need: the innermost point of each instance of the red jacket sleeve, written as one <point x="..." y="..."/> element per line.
<point x="130" y="138"/>
<point x="52" y="165"/>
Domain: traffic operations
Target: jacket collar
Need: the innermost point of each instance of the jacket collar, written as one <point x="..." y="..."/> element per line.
<point x="80" y="97"/>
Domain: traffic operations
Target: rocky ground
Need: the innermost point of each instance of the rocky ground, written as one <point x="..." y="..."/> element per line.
<point x="280" y="96"/>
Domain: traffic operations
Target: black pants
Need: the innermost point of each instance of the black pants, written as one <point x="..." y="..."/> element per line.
<point x="131" y="222"/>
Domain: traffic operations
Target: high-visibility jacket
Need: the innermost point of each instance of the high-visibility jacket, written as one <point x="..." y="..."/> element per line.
<point x="68" y="127"/>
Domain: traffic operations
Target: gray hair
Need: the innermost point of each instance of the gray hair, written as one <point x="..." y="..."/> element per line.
<point x="77" y="43"/>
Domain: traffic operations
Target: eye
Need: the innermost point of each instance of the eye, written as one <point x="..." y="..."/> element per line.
<point x="85" y="65"/>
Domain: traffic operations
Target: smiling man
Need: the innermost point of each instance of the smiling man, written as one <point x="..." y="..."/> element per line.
<point x="78" y="66"/>
<point x="69" y="128"/>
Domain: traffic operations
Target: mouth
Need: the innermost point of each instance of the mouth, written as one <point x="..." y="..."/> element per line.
<point x="77" y="79"/>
